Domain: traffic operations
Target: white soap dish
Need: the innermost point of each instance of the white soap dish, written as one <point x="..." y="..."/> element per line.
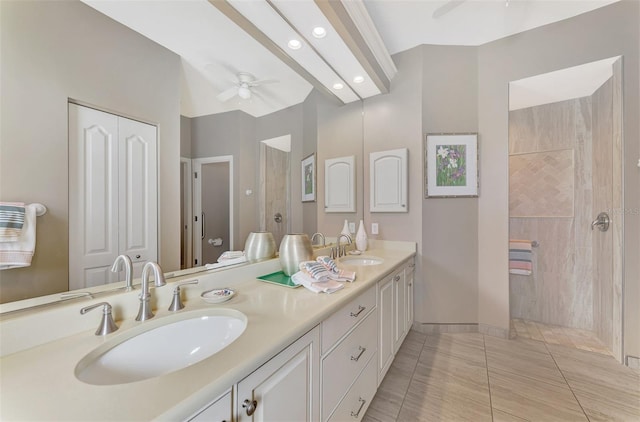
<point x="217" y="295"/>
<point x="354" y="252"/>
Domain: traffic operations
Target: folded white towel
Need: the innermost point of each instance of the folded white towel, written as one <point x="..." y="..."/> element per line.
<point x="226" y="262"/>
<point x="335" y="272"/>
<point x="301" y="278"/>
<point x="230" y="255"/>
<point x="19" y="253"/>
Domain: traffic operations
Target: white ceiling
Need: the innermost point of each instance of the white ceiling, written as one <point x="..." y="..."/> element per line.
<point x="214" y="49"/>
<point x="404" y="24"/>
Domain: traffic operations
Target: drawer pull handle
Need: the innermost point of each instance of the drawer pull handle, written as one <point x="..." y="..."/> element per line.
<point x="362" y="350"/>
<point x="412" y="265"/>
<point x="362" y="402"/>
<point x="396" y="278"/>
<point x="360" y="309"/>
<point x="250" y="406"/>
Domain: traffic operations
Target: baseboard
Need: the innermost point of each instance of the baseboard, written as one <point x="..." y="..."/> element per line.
<point x="426" y="328"/>
<point x="632" y="362"/>
<point x="493" y="331"/>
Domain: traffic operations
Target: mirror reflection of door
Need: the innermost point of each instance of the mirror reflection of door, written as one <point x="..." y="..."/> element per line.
<point x="186" y="206"/>
<point x="212" y="203"/>
<point x="275" y="186"/>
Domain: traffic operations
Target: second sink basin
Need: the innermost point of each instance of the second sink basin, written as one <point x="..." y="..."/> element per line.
<point x="361" y="260"/>
<point x="169" y="346"/>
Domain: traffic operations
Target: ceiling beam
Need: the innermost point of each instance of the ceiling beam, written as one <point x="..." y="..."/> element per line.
<point x="340" y="19"/>
<point x="247" y="26"/>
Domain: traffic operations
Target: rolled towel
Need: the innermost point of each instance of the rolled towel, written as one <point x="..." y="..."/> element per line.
<point x="11" y="221"/>
<point x="315" y="270"/>
<point x="520" y="257"/>
<point x="310" y="283"/>
<point x="336" y="273"/>
<point x="19" y="253"/>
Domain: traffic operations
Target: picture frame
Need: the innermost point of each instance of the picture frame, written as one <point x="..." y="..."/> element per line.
<point x="309" y="178"/>
<point x="451" y="165"/>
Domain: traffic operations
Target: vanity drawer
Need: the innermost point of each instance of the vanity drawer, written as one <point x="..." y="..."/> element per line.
<point x="338" y="324"/>
<point x="357" y="401"/>
<point x="342" y="366"/>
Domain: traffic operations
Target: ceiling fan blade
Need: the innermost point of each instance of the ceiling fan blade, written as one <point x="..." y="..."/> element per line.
<point x="446" y="8"/>
<point x="263" y="82"/>
<point x="228" y="94"/>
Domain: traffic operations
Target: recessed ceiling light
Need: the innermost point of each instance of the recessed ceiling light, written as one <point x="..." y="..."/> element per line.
<point x="338" y="85"/>
<point x="319" y="32"/>
<point x="294" y="44"/>
<point x="358" y="79"/>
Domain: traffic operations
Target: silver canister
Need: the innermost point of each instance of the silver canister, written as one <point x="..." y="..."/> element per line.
<point x="260" y="246"/>
<point x="294" y="249"/>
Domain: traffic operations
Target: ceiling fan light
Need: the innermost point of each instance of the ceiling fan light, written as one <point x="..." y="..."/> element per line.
<point x="244" y="92"/>
<point x="319" y="32"/>
<point x="294" y="44"/>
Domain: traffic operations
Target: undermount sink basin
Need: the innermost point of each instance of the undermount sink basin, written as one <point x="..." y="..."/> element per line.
<point x="172" y="343"/>
<point x="361" y="260"/>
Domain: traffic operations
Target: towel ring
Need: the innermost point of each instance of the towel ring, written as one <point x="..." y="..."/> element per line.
<point x="40" y="209"/>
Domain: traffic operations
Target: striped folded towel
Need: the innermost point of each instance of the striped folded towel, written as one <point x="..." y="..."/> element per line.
<point x="310" y="283"/>
<point x="11" y="221"/>
<point x="315" y="270"/>
<point x="336" y="273"/>
<point x="520" y="257"/>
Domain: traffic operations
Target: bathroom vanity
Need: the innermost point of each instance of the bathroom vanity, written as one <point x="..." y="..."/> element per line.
<point x="302" y="356"/>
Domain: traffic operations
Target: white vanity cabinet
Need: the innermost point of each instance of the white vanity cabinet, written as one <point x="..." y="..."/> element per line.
<point x="286" y="388"/>
<point x="395" y="311"/>
<point x="221" y="410"/>
<point x="348" y="367"/>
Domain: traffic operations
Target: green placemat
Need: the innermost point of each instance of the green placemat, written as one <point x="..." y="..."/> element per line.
<point x="279" y="278"/>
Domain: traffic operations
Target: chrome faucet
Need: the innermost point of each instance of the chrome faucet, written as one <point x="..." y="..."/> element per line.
<point x="343" y="251"/>
<point x="107" y="326"/>
<point x="145" y="313"/>
<point x="321" y="237"/>
<point x="124" y="260"/>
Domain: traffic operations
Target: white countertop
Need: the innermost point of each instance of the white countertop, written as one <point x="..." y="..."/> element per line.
<point x="39" y="383"/>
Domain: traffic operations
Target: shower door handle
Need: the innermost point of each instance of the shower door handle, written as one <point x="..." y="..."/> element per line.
<point x="602" y="221"/>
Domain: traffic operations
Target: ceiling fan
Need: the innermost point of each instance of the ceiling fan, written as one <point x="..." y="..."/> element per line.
<point x="243" y="88"/>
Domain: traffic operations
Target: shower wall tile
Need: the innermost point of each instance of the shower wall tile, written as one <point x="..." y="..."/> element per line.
<point x="541" y="184"/>
<point x="542" y="128"/>
<point x="616" y="110"/>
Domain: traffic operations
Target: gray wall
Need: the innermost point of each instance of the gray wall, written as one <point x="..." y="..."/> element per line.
<point x="52" y="51"/>
<point x="185" y="137"/>
<point x="606" y="32"/>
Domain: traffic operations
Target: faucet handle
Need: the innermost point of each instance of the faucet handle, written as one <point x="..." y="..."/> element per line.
<point x="176" y="303"/>
<point x="107" y="326"/>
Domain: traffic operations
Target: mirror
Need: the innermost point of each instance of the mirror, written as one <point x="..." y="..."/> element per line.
<point x="53" y="52"/>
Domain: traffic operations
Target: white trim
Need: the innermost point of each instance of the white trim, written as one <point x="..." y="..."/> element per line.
<point x="197" y="200"/>
<point x="188" y="209"/>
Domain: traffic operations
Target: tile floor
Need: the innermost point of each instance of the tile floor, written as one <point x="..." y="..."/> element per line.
<point x="473" y="377"/>
<point x="555" y="334"/>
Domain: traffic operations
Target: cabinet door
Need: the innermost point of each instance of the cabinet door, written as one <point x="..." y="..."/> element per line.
<point x="385" y="326"/>
<point x="400" y="309"/>
<point x="286" y="388"/>
<point x="219" y="411"/>
<point x="138" y="192"/>
<point x="93" y="200"/>
<point x="340" y="184"/>
<point x="388" y="181"/>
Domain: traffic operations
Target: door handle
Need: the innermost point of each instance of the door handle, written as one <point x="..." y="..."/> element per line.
<point x="602" y="221"/>
<point x="203" y="226"/>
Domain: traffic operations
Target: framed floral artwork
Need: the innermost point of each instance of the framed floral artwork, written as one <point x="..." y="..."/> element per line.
<point x="309" y="178"/>
<point x="451" y="165"/>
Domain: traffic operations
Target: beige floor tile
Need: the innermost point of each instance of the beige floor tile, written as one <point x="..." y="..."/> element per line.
<point x="445" y="402"/>
<point x="388" y="400"/>
<point x="500" y="416"/>
<point x="466" y="346"/>
<point x="524" y="358"/>
<point x="601" y="407"/>
<point x="534" y="332"/>
<point x="531" y="399"/>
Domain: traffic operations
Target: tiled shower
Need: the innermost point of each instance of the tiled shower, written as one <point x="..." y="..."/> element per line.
<point x="564" y="168"/>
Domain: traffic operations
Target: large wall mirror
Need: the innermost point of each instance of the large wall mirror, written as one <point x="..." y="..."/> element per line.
<point x="55" y="52"/>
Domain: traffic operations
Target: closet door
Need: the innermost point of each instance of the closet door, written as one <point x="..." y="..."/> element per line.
<point x="137" y="192"/>
<point x="93" y="196"/>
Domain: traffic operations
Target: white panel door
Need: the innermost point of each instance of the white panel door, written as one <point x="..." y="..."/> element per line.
<point x="93" y="202"/>
<point x="388" y="181"/>
<point x="138" y="192"/>
<point x="340" y="184"/>
<point x="385" y="326"/>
